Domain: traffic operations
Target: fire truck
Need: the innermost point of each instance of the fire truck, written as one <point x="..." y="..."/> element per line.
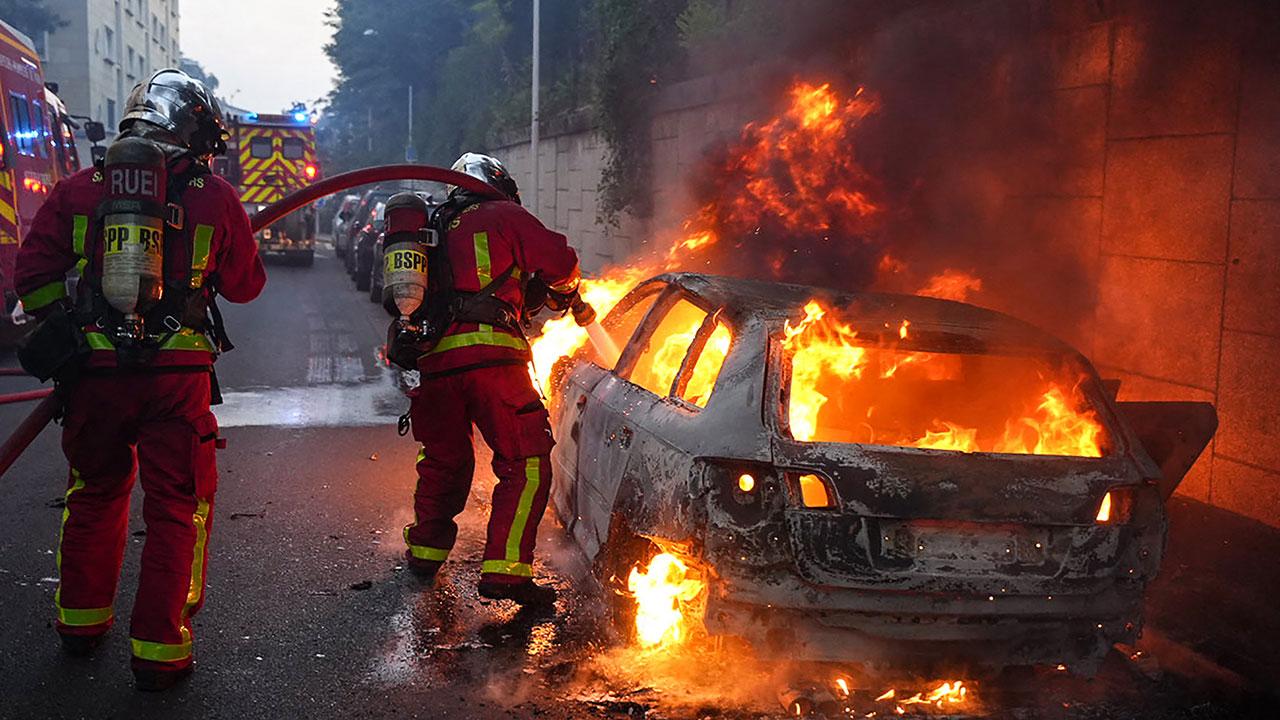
<point x="268" y="157"/>
<point x="37" y="150"/>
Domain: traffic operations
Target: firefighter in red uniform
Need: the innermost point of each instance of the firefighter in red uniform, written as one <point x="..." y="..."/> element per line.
<point x="478" y="373"/>
<point x="141" y="395"/>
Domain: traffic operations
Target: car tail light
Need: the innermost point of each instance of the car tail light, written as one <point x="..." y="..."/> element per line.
<point x="1116" y="507"/>
<point x="811" y="490"/>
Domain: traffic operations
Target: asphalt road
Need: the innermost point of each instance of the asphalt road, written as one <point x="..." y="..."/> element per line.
<point x="311" y="614"/>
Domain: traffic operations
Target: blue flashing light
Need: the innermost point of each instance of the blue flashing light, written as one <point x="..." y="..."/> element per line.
<point x="251" y="117"/>
<point x="300" y="116"/>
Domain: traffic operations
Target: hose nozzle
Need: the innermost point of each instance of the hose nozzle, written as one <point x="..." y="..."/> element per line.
<point x="583" y="314"/>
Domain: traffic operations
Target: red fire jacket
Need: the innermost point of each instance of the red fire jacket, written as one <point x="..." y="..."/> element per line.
<point x="483" y="242"/>
<point x="218" y="241"/>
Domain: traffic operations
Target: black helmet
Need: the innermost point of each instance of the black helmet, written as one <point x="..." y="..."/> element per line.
<point x="183" y="106"/>
<point x="488" y="169"/>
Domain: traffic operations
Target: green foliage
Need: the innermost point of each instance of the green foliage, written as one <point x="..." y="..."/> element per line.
<point x="468" y="62"/>
<point x="639" y="53"/>
<point x="32" y="17"/>
<point x="701" y="20"/>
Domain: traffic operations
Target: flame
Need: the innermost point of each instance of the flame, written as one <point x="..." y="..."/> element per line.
<point x="949" y="694"/>
<point x="1053" y="421"/>
<point x="951" y="285"/>
<point x="561" y="337"/>
<point x="818" y="346"/>
<point x="795" y="169"/>
<point x="662" y="592"/>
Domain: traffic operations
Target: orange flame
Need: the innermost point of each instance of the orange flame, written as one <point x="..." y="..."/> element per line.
<point x="951" y="285"/>
<point x="663" y="592"/>
<point x="823" y="349"/>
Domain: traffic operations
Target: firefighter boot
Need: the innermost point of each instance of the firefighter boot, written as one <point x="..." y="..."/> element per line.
<point x="147" y="679"/>
<point x="526" y="593"/>
<point x="80" y="646"/>
<point x="425" y="569"/>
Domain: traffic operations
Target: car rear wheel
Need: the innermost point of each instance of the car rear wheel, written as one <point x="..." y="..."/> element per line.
<point x="623" y="551"/>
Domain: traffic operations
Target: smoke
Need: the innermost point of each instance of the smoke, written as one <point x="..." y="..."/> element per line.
<point x="986" y="150"/>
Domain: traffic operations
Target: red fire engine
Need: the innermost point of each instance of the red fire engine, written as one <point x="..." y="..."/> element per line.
<point x="268" y="157"/>
<point x="36" y="150"/>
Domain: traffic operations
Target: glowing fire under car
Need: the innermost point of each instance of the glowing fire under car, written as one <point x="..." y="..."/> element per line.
<point x="868" y="477"/>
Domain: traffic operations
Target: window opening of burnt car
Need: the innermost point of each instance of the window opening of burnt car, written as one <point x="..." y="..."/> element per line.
<point x="907" y="395"/>
<point x="292" y="148"/>
<point x="624" y="320"/>
<point x="260" y="148"/>
<point x="662" y="344"/>
<point x="697" y="377"/>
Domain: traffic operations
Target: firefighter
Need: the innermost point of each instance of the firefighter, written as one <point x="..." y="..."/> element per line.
<point x="139" y="388"/>
<point x="478" y="373"/>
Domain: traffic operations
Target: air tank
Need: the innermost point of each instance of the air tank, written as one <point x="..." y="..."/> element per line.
<point x="132" y="226"/>
<point x="404" y="269"/>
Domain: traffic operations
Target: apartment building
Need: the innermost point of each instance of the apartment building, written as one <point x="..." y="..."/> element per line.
<point x="107" y="47"/>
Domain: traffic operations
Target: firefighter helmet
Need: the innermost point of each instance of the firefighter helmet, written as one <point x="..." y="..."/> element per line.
<point x="180" y="104"/>
<point x="489" y="169"/>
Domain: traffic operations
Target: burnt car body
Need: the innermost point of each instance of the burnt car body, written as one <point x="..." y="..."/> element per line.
<point x="916" y="556"/>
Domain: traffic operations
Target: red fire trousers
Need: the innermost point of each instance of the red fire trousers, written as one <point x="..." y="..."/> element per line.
<point x="503" y="404"/>
<point x="160" y="424"/>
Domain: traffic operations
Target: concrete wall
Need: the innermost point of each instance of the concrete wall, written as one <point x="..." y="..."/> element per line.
<point x="1163" y="178"/>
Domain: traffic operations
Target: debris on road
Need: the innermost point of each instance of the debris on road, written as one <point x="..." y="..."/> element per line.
<point x="362" y="585"/>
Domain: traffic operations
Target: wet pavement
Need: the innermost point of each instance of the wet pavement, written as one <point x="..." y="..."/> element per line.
<point x="310" y="612"/>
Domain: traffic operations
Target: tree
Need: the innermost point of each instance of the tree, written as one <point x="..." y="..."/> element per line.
<point x="31" y="17"/>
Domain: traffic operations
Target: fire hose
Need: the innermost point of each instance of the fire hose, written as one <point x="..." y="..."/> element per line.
<point x="47" y="409"/>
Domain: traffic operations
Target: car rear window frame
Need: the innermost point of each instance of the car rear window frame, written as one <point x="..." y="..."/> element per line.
<point x="778" y="392"/>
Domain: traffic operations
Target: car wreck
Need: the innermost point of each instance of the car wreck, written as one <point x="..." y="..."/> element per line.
<point x="876" y="478"/>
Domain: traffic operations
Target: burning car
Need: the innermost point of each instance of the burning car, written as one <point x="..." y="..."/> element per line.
<point x="869" y="477"/>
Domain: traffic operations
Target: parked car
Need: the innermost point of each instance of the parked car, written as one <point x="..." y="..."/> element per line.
<point x="839" y="533"/>
<point x="341" y="220"/>
<point x="375" y="278"/>
<point x="363" y="248"/>
<point x="362" y="222"/>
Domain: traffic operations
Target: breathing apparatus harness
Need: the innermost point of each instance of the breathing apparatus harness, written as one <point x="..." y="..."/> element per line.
<point x="443" y="304"/>
<point x="185" y="301"/>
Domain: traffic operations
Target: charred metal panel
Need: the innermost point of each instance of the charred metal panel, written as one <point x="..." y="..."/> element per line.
<point x="945" y="485"/>
<point x="1173" y="434"/>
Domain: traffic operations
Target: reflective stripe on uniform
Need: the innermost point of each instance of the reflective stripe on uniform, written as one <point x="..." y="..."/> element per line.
<point x="173" y="652"/>
<point x="80" y="227"/>
<point x="77" y="484"/>
<point x="160" y="652"/>
<point x="423" y="552"/>
<point x="75" y="617"/>
<point x="44" y="296"/>
<point x="532" y="478"/>
<point x="484" y="267"/>
<point x="199" y="519"/>
<point x="184" y="339"/>
<point x="479" y="337"/>
<point x="200" y="254"/>
<point x="506" y="567"/>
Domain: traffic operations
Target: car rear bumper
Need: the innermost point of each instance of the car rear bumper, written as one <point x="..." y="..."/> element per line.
<point x="787" y="617"/>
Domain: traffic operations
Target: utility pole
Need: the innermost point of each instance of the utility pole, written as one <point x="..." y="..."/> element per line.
<point x="410" y="153"/>
<point x="369" y="135"/>
<point x="533" y="126"/>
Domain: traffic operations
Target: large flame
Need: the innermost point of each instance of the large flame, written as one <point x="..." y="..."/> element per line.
<point x="827" y="357"/>
<point x="663" y="592"/>
<point x="794" y="170"/>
